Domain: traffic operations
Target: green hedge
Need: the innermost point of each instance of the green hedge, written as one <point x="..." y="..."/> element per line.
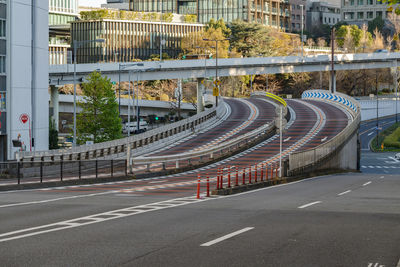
<point x="393" y="140"/>
<point x="382" y="139"/>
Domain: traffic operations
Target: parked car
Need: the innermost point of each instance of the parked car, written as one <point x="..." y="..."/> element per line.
<point x="381" y="51"/>
<point x="132" y="127"/>
<point x="397" y="156"/>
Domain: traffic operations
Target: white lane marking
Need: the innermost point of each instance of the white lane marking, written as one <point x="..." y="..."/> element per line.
<point x="225" y="237"/>
<point x="381" y="177"/>
<point x="367" y="183"/>
<point x="345" y="192"/>
<point x="309" y="204"/>
<point x="398" y="264"/>
<point x="371" y="133"/>
<point x="97" y="218"/>
<point x="324" y="139"/>
<point x="156" y="182"/>
<point x="287" y="139"/>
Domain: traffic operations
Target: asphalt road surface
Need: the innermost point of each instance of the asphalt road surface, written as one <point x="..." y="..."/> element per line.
<point x="336" y="220"/>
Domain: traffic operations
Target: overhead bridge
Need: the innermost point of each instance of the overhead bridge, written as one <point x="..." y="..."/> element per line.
<point x="183" y="69"/>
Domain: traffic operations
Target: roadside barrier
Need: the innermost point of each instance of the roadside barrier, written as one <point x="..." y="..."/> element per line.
<point x="198" y="186"/>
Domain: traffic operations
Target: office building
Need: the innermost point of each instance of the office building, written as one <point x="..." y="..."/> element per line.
<point x="361" y="11"/>
<point x="23" y="76"/>
<point x="296" y="12"/>
<point x="320" y="13"/>
<point x="117" y="4"/>
<point x="126" y="40"/>
<point x="61" y="12"/>
<point x="274" y="13"/>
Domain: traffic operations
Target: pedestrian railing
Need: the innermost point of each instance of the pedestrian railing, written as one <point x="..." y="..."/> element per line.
<point x="301" y="160"/>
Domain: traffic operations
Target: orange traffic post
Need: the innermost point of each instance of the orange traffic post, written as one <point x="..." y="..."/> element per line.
<point x="249" y="174"/>
<point x="255" y="173"/>
<point x="266" y="172"/>
<point x="208" y="186"/>
<point x="262" y="172"/>
<point x="272" y="171"/>
<point x="221" y="185"/>
<point x="229" y="176"/>
<point x="237" y="176"/>
<point x="217" y="178"/>
<point x="276" y="171"/>
<point x="244" y="176"/>
<point x="198" y="186"/>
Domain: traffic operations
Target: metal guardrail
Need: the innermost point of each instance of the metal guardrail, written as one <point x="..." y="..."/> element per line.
<point x="101" y="150"/>
<point x="228" y="146"/>
<point x="302" y="159"/>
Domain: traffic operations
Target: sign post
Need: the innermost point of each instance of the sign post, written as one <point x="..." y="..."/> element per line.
<point x="24" y="118"/>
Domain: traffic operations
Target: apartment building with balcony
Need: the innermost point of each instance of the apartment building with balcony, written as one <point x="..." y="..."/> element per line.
<point x="320" y="13"/>
<point x="297" y="10"/>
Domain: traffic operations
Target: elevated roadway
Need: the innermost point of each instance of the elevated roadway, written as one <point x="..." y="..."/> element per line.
<point x="183" y="69"/>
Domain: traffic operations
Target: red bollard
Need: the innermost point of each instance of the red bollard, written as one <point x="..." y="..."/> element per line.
<point x="266" y="172"/>
<point x="255" y="173"/>
<point x="262" y="172"/>
<point x="272" y="171"/>
<point x="229" y="176"/>
<point x="208" y="186"/>
<point x="244" y="175"/>
<point x="221" y="185"/>
<point x="276" y="172"/>
<point x="198" y="186"/>
<point x="237" y="176"/>
<point x="217" y="178"/>
<point x="250" y="175"/>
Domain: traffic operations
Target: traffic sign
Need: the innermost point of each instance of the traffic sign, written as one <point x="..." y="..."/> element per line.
<point x="24" y="118"/>
<point x="215" y="91"/>
<point x="217" y="82"/>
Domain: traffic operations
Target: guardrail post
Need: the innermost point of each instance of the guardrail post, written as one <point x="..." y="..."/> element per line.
<point x="177" y="164"/>
<point x="80" y="169"/>
<point x="19" y="172"/>
<point x="41" y="170"/>
<point x="112" y="168"/>
<point x="97" y="173"/>
<point x="208" y="186"/>
<point x="61" y="167"/>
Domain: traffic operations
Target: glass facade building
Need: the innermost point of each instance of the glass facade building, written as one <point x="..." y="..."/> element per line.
<point x="275" y="13"/>
<point x="62" y="11"/>
<point x="128" y="40"/>
<point x="3" y="80"/>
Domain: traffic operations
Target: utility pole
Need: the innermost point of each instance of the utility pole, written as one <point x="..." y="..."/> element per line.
<point x="302" y="22"/>
<point x="332" y="61"/>
<point x="377" y="108"/>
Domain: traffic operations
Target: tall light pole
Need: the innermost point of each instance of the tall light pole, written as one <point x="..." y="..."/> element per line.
<point x="332" y="60"/>
<point x="77" y="44"/>
<point x="302" y="22"/>
<point x="161" y="37"/>
<point x="216" y="63"/>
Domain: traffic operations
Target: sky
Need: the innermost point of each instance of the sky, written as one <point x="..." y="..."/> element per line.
<point x="94" y="3"/>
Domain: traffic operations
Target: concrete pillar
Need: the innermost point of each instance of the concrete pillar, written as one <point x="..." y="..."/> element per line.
<point x="200" y="90"/>
<point x="332" y="87"/>
<point x="54" y="103"/>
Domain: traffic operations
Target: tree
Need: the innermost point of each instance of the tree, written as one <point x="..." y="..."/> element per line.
<point x="53" y="135"/>
<point x="194" y="44"/>
<point x="99" y="120"/>
<point x="376" y="23"/>
<point x="393" y="5"/>
<point x="219" y="24"/>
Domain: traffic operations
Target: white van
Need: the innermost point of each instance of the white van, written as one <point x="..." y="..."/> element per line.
<point x="132" y="127"/>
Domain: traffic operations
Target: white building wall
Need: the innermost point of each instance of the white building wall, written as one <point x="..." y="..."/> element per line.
<point x="27" y="83"/>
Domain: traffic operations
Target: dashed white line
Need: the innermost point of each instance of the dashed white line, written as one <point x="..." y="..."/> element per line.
<point x="324" y="139"/>
<point x="367" y="183"/>
<point x="371" y="133"/>
<point x="345" y="192"/>
<point x="287" y="139"/>
<point x="382" y="178"/>
<point x="309" y="204"/>
<point x="225" y="237"/>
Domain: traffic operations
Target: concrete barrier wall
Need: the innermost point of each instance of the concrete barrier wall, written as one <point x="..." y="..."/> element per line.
<point x="386" y="107"/>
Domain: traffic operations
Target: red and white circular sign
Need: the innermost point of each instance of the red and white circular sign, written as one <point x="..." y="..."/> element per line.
<point x="24" y="118"/>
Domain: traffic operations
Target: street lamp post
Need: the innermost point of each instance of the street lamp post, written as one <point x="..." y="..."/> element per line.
<point x="333" y="89"/>
<point x="377" y="109"/>
<point x="161" y="37"/>
<point x="302" y="22"/>
<point x="216" y="63"/>
<point x="77" y="44"/>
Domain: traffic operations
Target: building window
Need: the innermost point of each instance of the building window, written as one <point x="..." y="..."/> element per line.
<point x="360" y="2"/>
<point x="379" y="14"/>
<point x="360" y="15"/>
<point x="329" y="20"/>
<point x="348" y="15"/>
<point x="298" y="17"/>
<point x="370" y="15"/>
<point x="293" y="25"/>
<point x="2" y="28"/>
<point x="2" y="64"/>
<point x="352" y="2"/>
<point x="370" y="2"/>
